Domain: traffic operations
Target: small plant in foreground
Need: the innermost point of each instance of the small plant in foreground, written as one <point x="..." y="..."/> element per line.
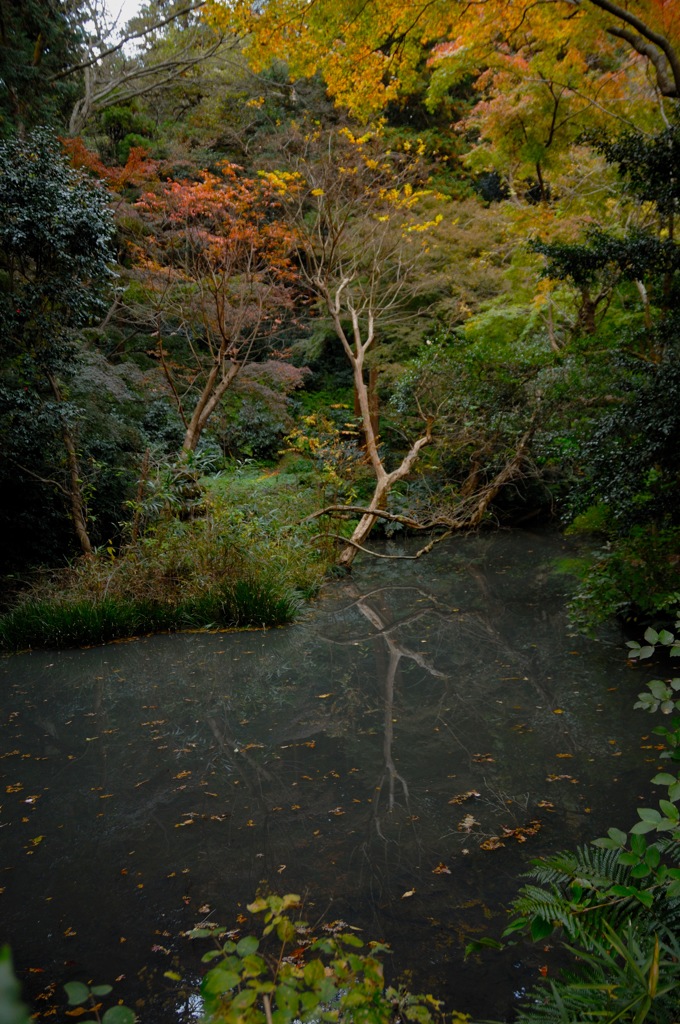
<point x="290" y="974"/>
<point x="87" y="999"/>
<point x="617" y="901"/>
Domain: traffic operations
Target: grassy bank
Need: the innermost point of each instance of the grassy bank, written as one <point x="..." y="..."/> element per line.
<point x="243" y="557"/>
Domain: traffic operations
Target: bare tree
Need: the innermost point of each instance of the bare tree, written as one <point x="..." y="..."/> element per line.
<point x="167" y="47"/>
<point x="355" y="216"/>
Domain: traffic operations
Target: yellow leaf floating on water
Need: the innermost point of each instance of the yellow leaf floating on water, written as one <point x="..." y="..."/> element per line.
<point x="409" y="892"/>
<point x="441" y="869"/>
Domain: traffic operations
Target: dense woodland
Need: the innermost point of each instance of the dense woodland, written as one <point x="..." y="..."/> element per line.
<point x="279" y="280"/>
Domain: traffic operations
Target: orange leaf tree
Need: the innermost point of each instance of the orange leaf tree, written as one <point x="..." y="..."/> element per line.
<point x="216" y="265"/>
<point x="541" y="66"/>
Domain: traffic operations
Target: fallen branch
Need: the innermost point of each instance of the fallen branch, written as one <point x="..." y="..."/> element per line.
<point x="467" y="515"/>
<point x="363" y="511"/>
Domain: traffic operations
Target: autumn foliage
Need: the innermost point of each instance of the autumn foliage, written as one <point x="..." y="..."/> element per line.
<point x="216" y="261"/>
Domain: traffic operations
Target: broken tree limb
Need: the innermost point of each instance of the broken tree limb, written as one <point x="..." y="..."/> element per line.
<point x="467" y="515"/>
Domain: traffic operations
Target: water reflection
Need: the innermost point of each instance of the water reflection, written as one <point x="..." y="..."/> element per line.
<point x="363" y="757"/>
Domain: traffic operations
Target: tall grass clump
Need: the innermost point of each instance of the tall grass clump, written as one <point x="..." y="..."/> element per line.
<point x="239" y="558"/>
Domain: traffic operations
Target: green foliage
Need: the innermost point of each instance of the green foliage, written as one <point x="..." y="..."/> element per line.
<point x="617" y="901"/>
<point x="72" y="623"/>
<point x="227" y="551"/>
<point x="646" y="163"/>
<point x="56" y="235"/>
<point x="635" y="577"/>
<point x="290" y="975"/>
<point x="55" y="248"/>
<point x="12" y="1010"/>
<point x="623" y="978"/>
<point x="38" y="40"/>
<point x="88" y="998"/>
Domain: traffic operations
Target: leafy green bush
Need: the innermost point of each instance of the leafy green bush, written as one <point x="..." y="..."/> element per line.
<point x="636" y="577"/>
<point x="616" y="901"/>
<point x="228" y="551"/>
<point x="292" y="975"/>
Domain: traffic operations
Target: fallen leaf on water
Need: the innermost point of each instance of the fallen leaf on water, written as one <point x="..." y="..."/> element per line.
<point x="16" y="788"/>
<point x="547" y="805"/>
<point x="182" y="775"/>
<point x="467" y="823"/>
<point x="337" y="811"/>
<point x="36" y="841"/>
<point x="322" y="696"/>
<point x="281" y="869"/>
<point x="483" y="758"/>
<point x="69" y="932"/>
<point x="493" y="843"/>
<point x="409" y="892"/>
<point x="462" y="798"/>
<point x="564" y="755"/>
<point x="558" y="711"/>
<point x="181" y="824"/>
<point x="441" y="869"/>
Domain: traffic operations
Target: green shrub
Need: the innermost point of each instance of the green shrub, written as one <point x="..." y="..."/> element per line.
<point x="229" y="551"/>
<point x="636" y="577"/>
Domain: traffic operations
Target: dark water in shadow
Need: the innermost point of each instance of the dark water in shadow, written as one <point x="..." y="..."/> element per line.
<point x="149" y="785"/>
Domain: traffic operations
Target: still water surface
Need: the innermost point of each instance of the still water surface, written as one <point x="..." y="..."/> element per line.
<point x="150" y="785"/>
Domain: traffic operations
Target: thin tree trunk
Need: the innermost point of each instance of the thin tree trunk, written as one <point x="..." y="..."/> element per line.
<point x="75" y="491"/>
<point x="207" y="403"/>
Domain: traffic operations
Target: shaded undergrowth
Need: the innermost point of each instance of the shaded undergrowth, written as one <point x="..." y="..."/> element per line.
<point x="239" y="557"/>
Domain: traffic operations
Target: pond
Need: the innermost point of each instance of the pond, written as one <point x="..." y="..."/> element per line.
<point x="396" y="757"/>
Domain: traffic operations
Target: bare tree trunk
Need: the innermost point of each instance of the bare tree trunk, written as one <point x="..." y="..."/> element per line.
<point x="356" y="351"/>
<point x="75" y="491"/>
<point x="384" y="480"/>
<point x="207" y="403"/>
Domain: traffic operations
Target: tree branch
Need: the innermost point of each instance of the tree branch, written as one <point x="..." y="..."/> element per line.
<point x="95" y="58"/>
<point x="647" y="33"/>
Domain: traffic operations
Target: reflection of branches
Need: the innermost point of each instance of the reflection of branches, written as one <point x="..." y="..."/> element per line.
<point x="390" y="774"/>
<point x="396" y="651"/>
